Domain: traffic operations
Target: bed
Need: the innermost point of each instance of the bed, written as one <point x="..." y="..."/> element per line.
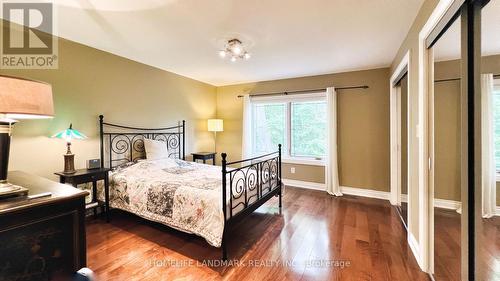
<point x="183" y="195"/>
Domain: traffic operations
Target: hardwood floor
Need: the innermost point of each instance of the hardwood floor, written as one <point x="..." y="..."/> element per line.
<point x="489" y="250"/>
<point x="446" y="245"/>
<point x="315" y="235"/>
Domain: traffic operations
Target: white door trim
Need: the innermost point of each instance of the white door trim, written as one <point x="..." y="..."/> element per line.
<point x="395" y="157"/>
<point x="395" y="151"/>
<point x="425" y="84"/>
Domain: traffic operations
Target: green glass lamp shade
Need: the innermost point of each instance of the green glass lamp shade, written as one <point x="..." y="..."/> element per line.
<point x="69" y="157"/>
<point x="70" y="134"/>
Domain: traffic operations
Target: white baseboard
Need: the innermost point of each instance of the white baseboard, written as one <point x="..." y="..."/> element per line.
<point x="440" y="203"/>
<point x="305" y="184"/>
<point x="345" y="189"/>
<point x="370" y="193"/>
<point x="447" y="204"/>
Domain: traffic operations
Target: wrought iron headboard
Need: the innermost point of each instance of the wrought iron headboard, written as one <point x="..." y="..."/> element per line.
<point x="126" y="144"/>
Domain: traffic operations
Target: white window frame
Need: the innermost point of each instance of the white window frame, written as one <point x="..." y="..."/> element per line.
<point x="288" y="100"/>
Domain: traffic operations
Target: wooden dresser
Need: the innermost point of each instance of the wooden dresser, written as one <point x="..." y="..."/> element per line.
<point x="43" y="238"/>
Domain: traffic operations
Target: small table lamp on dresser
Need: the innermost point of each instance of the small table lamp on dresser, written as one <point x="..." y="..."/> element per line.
<point x="20" y="99"/>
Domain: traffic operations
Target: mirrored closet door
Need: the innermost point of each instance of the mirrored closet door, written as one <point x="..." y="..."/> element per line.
<point x="445" y="146"/>
<point x="487" y="230"/>
<point x="402" y="136"/>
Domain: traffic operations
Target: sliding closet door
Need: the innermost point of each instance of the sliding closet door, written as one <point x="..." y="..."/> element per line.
<point x="401" y="96"/>
<point x="488" y="226"/>
<point x="479" y="142"/>
<point x="403" y="147"/>
<point x="445" y="147"/>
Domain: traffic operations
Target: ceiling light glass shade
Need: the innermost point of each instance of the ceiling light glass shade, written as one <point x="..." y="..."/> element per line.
<point x="69" y="134"/>
<point x="215" y="125"/>
<point x="25" y="99"/>
<point x="235" y="50"/>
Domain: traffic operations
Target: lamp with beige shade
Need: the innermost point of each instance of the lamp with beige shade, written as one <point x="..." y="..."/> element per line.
<point x="215" y="125"/>
<point x="19" y="99"/>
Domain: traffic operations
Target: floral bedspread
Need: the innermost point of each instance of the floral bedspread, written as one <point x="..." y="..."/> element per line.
<point x="183" y="195"/>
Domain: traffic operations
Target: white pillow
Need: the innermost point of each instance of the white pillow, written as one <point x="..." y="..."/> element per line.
<point x="155" y="149"/>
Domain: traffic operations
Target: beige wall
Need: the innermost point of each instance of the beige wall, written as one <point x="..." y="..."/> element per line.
<point x="447" y="108"/>
<point x="447" y="140"/>
<point x="363" y="125"/>
<point x="447" y="131"/>
<point x="90" y="82"/>
<point x="307" y="173"/>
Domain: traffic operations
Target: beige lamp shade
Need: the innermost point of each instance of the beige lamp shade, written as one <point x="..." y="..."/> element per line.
<point x="25" y="99"/>
<point x="215" y="125"/>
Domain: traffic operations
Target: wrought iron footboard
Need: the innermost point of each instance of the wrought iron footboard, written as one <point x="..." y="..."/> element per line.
<point x="249" y="186"/>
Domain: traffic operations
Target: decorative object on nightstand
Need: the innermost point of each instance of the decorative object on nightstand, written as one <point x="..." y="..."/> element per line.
<point x="215" y="125"/>
<point x="69" y="158"/>
<point x="93" y="164"/>
<point x="20" y="99"/>
<point x="204" y="156"/>
<point x="83" y="176"/>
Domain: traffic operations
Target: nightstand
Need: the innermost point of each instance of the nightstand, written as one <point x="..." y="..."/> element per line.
<point x="83" y="176"/>
<point x="204" y="156"/>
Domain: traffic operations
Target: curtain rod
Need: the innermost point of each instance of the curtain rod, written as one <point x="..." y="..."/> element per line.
<point x="456" y="79"/>
<point x="308" y="91"/>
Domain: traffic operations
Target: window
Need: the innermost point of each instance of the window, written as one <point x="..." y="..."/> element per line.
<point x="297" y="122"/>
<point x="496" y="122"/>
<point x="308" y="129"/>
<point x="269" y="127"/>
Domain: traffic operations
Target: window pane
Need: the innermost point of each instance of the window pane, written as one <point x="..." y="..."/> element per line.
<point x="496" y="125"/>
<point x="309" y="129"/>
<point x="269" y="127"/>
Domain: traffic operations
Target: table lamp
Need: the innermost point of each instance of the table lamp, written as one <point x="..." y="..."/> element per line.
<point x="215" y="125"/>
<point x="69" y="158"/>
<point x="19" y="99"/>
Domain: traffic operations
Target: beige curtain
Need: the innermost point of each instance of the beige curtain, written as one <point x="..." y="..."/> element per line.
<point x="332" y="171"/>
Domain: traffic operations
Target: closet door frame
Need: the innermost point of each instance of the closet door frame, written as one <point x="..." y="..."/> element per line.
<point x="395" y="141"/>
<point x="443" y="16"/>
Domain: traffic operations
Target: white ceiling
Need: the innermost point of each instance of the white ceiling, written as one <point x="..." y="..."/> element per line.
<point x="287" y="38"/>
<point x="448" y="46"/>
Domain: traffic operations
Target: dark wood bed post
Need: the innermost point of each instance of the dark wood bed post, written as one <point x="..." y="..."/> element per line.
<point x="224" y="170"/>
<point x="101" y="137"/>
<point x="279" y="175"/>
<point x="183" y="139"/>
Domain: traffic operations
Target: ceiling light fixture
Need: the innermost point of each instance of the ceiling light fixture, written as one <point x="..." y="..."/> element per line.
<point x="235" y="50"/>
